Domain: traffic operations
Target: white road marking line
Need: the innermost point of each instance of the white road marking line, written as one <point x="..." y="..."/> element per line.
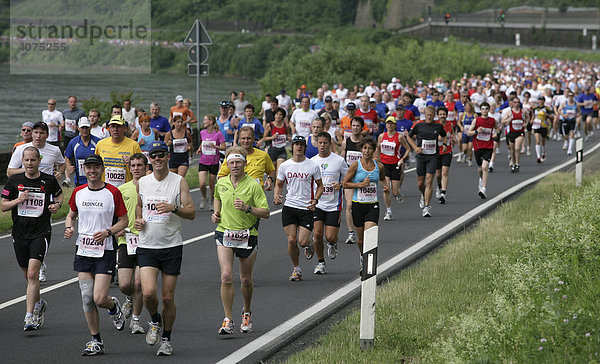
<point x="286" y="328"/>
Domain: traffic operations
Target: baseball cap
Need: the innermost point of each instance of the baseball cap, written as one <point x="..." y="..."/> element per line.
<point x="399" y="107"/>
<point x="117" y="119"/>
<point x="224" y="103"/>
<point x="93" y="159"/>
<point x="41" y="125"/>
<point x="372" y="100"/>
<point x="28" y="124"/>
<point x="178" y="98"/>
<point x="351" y="106"/>
<point x="303" y="86"/>
<point x="328" y="99"/>
<point x="282" y="91"/>
<point x="299" y="139"/>
<point x="390" y="119"/>
<point x="394" y="79"/>
<point x="158" y="146"/>
<point x="84" y="121"/>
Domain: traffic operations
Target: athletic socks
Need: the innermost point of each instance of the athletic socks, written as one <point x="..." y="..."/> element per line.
<point x="156" y="317"/>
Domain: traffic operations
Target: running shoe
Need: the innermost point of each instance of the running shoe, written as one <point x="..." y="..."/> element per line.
<point x="296" y="275"/>
<point x="165" y="348"/>
<point x="459" y="158"/>
<point x="319" y="268"/>
<point x="443" y="198"/>
<point x="226" y="327"/>
<point x="539" y="160"/>
<point x="528" y="151"/>
<point x="202" y="204"/>
<point x="517" y="168"/>
<point x="153" y="334"/>
<point x="565" y="145"/>
<point x="118" y="318"/>
<point x="38" y="312"/>
<point x="351" y="238"/>
<point x="388" y="216"/>
<point x="332" y="251"/>
<point x="30" y="323"/>
<point x="246" y="326"/>
<point x="127" y="307"/>
<point x="426" y="211"/>
<point x="93" y="347"/>
<point x="491" y="168"/>
<point x="482" y="192"/>
<point x="136" y="327"/>
<point x="422" y="202"/>
<point x="400" y="198"/>
<point x="480" y="183"/>
<point x="42" y="275"/>
<point x="309" y="252"/>
<point x="543" y="157"/>
<point x="438" y="192"/>
<point x="469" y="163"/>
<point x="569" y="153"/>
<point x="512" y="168"/>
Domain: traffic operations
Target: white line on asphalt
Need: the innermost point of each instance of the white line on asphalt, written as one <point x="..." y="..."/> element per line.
<point x="293" y="324"/>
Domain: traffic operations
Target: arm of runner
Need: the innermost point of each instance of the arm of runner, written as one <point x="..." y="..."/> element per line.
<point x="70" y="169"/>
<point x="216" y="216"/>
<point x="347" y="182"/>
<point x="471" y="130"/>
<point x="121" y="224"/>
<point x="56" y="205"/>
<point x="187" y="211"/>
<point x="139" y="221"/>
<point x="6" y="204"/>
<point x="69" y="224"/>
<point x="385" y="186"/>
<point x="318" y="193"/>
<point x="277" y="197"/>
<point x="413" y="145"/>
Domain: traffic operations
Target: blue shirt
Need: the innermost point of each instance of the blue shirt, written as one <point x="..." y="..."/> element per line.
<point x="317" y="105"/>
<point x="254" y="124"/>
<point x="583" y="98"/>
<point x="436" y="104"/>
<point x="311" y="151"/>
<point x="224" y="127"/>
<point x="381" y="109"/>
<point x="161" y="124"/>
<point x="414" y="110"/>
<point x="78" y="151"/>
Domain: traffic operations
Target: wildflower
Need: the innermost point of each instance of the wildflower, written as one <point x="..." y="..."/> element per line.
<point x="566" y="320"/>
<point x="541" y="348"/>
<point x="561" y="282"/>
<point x="574" y="316"/>
<point x="564" y="296"/>
<point x="556" y="289"/>
<point x="587" y="334"/>
<point x="543" y="340"/>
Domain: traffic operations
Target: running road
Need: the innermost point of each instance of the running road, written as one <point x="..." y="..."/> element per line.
<point x="199" y="310"/>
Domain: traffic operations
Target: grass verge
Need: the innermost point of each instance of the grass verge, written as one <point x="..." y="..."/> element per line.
<point x="519" y="287"/>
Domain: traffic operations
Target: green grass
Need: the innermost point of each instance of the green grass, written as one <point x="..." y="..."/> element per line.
<point x="520" y="287"/>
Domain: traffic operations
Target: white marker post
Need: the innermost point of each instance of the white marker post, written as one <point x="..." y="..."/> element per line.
<point x="579" y="162"/>
<point x="369" y="287"/>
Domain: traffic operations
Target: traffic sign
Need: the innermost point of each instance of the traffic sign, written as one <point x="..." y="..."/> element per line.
<point x="203" y="53"/>
<point x="192" y="36"/>
<point x="193" y="69"/>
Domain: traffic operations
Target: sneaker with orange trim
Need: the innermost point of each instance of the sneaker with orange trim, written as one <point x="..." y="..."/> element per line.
<point x="246" y="326"/>
<point x="227" y="327"/>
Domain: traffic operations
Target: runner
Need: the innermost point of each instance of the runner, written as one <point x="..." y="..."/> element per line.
<point x="226" y="121"/>
<point x="250" y="121"/>
<point x="26" y="134"/>
<point x="586" y="102"/>
<point x="427" y="134"/>
<point x="32" y="196"/>
<point x="390" y="144"/>
<point x="568" y="110"/>
<point x="297" y="216"/>
<point x="516" y="120"/>
<point x="445" y="158"/>
<point x="464" y="123"/>
<point x="484" y="131"/>
<point x="115" y="152"/>
<point x="164" y="198"/>
<point x="145" y="135"/>
<point x="179" y="141"/>
<point x="362" y="178"/>
<point x="351" y="153"/>
<point x="543" y="117"/>
<point x="78" y="149"/>
<point x="278" y="133"/>
<point x="316" y="127"/>
<point x="327" y="215"/>
<point x="258" y="163"/>
<point x="239" y="203"/>
<point x="97" y="204"/>
<point x="129" y="272"/>
<point x="211" y="140"/>
<point x="302" y="118"/>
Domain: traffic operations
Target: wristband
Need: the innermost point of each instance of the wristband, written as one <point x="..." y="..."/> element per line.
<point x="68" y="227"/>
<point x="109" y="232"/>
<point x="175" y="209"/>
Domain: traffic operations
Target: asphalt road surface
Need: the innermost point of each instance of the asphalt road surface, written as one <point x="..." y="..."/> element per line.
<point x="199" y="310"/>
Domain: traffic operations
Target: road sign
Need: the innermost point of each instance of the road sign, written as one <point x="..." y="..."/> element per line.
<point x="198" y="37"/>
<point x="193" y="69"/>
<point x="203" y="53"/>
<point x="369" y="287"/>
<point x="579" y="162"/>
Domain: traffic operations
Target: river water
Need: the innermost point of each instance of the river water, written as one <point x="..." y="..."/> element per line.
<point x="23" y="97"/>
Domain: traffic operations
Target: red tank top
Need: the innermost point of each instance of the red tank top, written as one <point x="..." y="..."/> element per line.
<point x="483" y="139"/>
<point x="516" y="124"/>
<point x="389" y="148"/>
<point x="279" y="141"/>
<point x="448" y="128"/>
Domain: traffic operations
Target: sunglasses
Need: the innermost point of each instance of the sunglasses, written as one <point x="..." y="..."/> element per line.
<point x="485" y="108"/>
<point x="51" y="103"/>
<point x="27" y="130"/>
<point x="158" y="155"/>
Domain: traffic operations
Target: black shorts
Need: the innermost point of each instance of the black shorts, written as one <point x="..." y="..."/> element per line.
<point x="512" y="136"/>
<point x="167" y="260"/>
<point x="542" y="131"/>
<point x="26" y="249"/>
<point x="277" y="153"/>
<point x="239" y="252"/>
<point x="529" y="127"/>
<point x="125" y="260"/>
<point x="212" y="168"/>
<point x="331" y="218"/>
<point x="104" y="265"/>
<point x="426" y="164"/>
<point x="444" y="160"/>
<point x="362" y="212"/>
<point x="595" y="113"/>
<point x="567" y="126"/>
<point x="496" y="138"/>
<point x="393" y="171"/>
<point x="483" y="154"/>
<point x="179" y="159"/>
<point x="294" y="216"/>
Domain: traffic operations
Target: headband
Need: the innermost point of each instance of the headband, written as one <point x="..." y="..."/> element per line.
<point x="235" y="156"/>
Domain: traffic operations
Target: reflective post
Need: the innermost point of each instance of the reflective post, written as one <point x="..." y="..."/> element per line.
<point x="368" y="290"/>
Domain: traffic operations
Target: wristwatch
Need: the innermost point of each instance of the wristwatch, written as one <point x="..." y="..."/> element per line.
<point x="109" y="232"/>
<point x="249" y="209"/>
<point x="175" y="209"/>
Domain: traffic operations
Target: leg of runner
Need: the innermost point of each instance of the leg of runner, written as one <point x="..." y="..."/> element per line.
<point x="148" y="277"/>
<point x="293" y="251"/>
<point x="538" y="148"/>
<point x="387" y="199"/>
<point x="348" y="213"/>
<point x="246" y="268"/>
<point x="517" y="147"/>
<point x="182" y="170"/>
<point x="428" y="188"/>
<point x="33" y="293"/>
<point x="445" y="174"/>
<point x="225" y="256"/>
<point x="202" y="185"/>
<point x="511" y="151"/>
<point x="470" y="153"/>
<point x="318" y="230"/>
<point x="138" y="304"/>
<point x="212" y="180"/>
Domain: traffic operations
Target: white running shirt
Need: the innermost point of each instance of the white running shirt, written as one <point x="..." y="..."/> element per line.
<point x="333" y="169"/>
<point x="51" y="154"/>
<point x="300" y="178"/>
<point x="303" y="120"/>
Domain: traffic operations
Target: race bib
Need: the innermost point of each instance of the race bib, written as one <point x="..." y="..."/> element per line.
<point x="328" y="192"/>
<point x="571" y="114"/>
<point x="279" y="141"/>
<point x="236" y="239"/>
<point x="484" y="134"/>
<point x="451" y="115"/>
<point x="52" y="133"/>
<point x="368" y="194"/>
<point x="352" y="156"/>
<point x="250" y="125"/>
<point x="387" y="147"/>
<point x="33" y="206"/>
<point x="517" y="124"/>
<point x="80" y="170"/>
<point x="180" y="145"/>
<point x="88" y="247"/>
<point x="114" y="175"/>
<point x="587" y="104"/>
<point x="428" y="146"/>
<point x="132" y="243"/>
<point x="537" y="123"/>
<point x="208" y="147"/>
<point x="175" y="113"/>
<point x="152" y="214"/>
<point x="70" y="125"/>
<point x="304" y="125"/>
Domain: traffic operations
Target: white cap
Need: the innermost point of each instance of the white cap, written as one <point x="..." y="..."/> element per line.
<point x="178" y="98"/>
<point x="372" y="100"/>
<point x="394" y="79"/>
<point x="84" y="121"/>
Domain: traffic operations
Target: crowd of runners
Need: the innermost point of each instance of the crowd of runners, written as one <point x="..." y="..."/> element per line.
<point x="324" y="155"/>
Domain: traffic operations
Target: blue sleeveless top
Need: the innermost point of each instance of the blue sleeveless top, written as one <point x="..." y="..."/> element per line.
<point x="147" y="139"/>
<point x="366" y="194"/>
<point x="311" y="151"/>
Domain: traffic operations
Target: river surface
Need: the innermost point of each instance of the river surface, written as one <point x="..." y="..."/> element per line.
<point x="23" y="97"/>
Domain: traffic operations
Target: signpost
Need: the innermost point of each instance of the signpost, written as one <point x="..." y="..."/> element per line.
<point x="369" y="287"/>
<point x="579" y="162"/>
<point x="196" y="39"/>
